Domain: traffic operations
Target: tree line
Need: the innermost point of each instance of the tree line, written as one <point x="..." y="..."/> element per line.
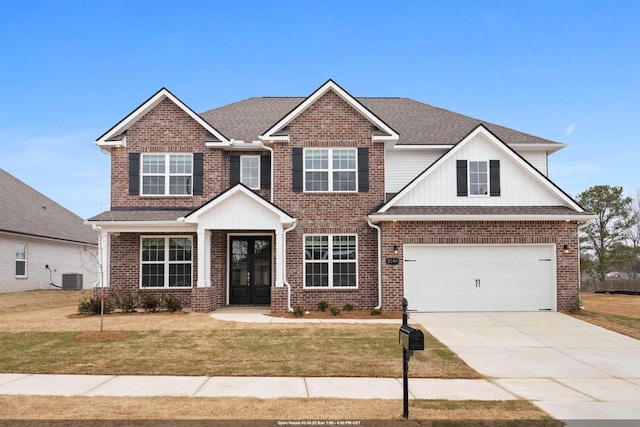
<point x="612" y="239"/>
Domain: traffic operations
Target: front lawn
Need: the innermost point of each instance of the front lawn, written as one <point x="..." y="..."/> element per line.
<point x="343" y="350"/>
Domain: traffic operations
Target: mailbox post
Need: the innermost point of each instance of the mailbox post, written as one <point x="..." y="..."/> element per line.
<point x="410" y="339"/>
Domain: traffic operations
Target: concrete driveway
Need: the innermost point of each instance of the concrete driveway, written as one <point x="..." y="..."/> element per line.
<point x="571" y="369"/>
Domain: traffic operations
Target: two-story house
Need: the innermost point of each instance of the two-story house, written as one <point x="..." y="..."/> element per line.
<point x="288" y="201"/>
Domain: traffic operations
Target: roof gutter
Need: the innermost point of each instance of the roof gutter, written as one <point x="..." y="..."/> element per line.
<point x="577" y="218"/>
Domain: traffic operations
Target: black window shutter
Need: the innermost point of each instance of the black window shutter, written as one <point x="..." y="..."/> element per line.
<point x="461" y="175"/>
<point x="234" y="170"/>
<point x="198" y="173"/>
<point x="265" y="172"/>
<point x="494" y="178"/>
<point x="134" y="174"/>
<point x="297" y="160"/>
<point x="363" y="169"/>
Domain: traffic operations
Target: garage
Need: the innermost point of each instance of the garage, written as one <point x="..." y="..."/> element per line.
<point x="480" y="277"/>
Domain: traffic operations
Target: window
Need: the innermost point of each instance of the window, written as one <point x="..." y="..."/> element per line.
<point x="330" y="169"/>
<point x="21" y="260"/>
<point x="166" y="262"/>
<point x="478" y="178"/>
<point x="330" y="261"/>
<point x="167" y="174"/>
<point x="250" y="171"/>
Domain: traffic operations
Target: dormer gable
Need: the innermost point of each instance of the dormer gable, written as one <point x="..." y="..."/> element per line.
<point x="381" y="131"/>
<point x="510" y="180"/>
<point x="117" y="135"/>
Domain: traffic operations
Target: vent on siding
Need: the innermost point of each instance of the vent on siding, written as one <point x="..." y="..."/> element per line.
<point x="72" y="282"/>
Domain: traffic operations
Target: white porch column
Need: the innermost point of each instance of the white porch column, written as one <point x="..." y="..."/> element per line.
<point x="203" y="257"/>
<point x="207" y="258"/>
<point x="103" y="256"/>
<point x="279" y="257"/>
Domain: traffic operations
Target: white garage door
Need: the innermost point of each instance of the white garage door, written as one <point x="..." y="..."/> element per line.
<point x="480" y="278"/>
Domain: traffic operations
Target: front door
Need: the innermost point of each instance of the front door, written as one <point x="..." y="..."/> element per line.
<point x="250" y="270"/>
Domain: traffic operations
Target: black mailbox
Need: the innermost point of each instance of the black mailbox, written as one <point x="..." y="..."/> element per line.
<point x="411" y="338"/>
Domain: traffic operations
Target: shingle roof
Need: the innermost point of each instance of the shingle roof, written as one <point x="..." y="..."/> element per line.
<point x="416" y="122"/>
<point x="24" y="210"/>
<point x="140" y="215"/>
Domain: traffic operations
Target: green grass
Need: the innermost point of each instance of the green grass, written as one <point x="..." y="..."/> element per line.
<point x="349" y="351"/>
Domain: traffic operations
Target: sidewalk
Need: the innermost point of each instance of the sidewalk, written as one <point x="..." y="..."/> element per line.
<point x="259" y="387"/>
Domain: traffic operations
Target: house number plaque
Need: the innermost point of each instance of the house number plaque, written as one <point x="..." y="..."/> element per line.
<point x="393" y="261"/>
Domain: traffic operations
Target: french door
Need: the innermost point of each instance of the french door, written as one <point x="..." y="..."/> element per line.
<point x="250" y="270"/>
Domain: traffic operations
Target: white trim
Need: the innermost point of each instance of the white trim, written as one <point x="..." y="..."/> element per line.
<point x="330" y="261"/>
<point x="167" y="174"/>
<point x="143" y="109"/>
<point x="544" y="181"/>
<point x="333" y="86"/>
<point x="330" y="169"/>
<point x="166" y="262"/>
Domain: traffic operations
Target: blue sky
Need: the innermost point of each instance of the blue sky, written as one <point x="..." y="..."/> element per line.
<point x="568" y="71"/>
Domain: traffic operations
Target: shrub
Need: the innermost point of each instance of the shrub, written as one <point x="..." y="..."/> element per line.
<point x="323" y="306"/>
<point x="149" y="302"/>
<point x="92" y="306"/>
<point x="125" y="301"/>
<point x="298" y="311"/>
<point x="334" y="310"/>
<point x="376" y="312"/>
<point x="172" y="303"/>
<point x="348" y="307"/>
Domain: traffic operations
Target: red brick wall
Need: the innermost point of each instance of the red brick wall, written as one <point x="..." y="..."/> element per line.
<point x="481" y="232"/>
<point x="330" y="122"/>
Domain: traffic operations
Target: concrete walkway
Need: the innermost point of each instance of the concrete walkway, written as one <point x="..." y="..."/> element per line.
<point x="259" y="387"/>
<point x="569" y="368"/>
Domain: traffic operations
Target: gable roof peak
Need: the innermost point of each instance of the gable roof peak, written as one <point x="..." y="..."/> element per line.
<point x="387" y="132"/>
<point x="116" y="136"/>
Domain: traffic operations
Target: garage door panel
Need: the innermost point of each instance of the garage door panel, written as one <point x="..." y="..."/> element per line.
<point x="479" y="278"/>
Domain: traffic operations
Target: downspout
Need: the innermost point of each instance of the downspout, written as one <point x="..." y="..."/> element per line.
<point x="284" y="262"/>
<point x="372" y="225"/>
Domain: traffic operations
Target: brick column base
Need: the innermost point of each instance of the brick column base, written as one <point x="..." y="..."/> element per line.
<point x="202" y="299"/>
<point x="279" y="299"/>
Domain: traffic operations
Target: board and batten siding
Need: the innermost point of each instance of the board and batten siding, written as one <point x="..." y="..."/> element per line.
<point x="403" y="165"/>
<point x="519" y="186"/>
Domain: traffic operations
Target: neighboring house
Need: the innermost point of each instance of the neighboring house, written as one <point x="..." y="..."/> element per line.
<point x="40" y="240"/>
<point x="289" y="201"/>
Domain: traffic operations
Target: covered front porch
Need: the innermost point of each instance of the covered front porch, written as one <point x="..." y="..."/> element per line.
<point x="240" y="243"/>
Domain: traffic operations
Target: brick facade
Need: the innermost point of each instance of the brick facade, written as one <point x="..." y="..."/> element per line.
<point x="332" y="123"/>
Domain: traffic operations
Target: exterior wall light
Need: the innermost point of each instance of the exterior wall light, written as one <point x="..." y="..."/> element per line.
<point x="566" y="248"/>
<point x="395" y="248"/>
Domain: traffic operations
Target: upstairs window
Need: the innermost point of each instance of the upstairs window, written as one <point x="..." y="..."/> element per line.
<point x="330" y="169"/>
<point x="167" y="174"/>
<point x="478" y="178"/>
<point x="250" y="171"/>
<point x="21" y="260"/>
